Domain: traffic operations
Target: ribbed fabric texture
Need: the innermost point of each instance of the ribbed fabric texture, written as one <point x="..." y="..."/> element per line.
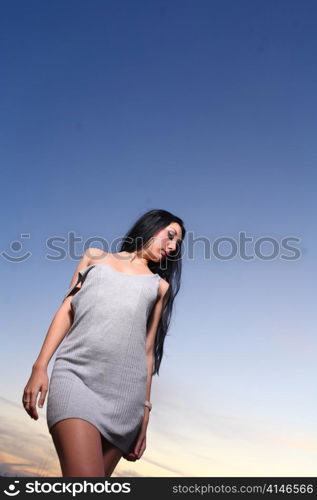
<point x="100" y="369"/>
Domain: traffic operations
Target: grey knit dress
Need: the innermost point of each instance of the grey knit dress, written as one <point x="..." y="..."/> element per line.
<point x="100" y="369"/>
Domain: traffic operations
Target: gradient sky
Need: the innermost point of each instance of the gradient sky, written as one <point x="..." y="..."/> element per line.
<point x="206" y="109"/>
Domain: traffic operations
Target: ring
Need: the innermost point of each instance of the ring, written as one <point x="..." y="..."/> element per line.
<point x="25" y="401"/>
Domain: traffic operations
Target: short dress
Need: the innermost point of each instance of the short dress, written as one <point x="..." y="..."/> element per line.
<point x="100" y="370"/>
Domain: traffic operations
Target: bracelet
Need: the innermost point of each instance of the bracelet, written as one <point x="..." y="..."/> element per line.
<point x="148" y="404"/>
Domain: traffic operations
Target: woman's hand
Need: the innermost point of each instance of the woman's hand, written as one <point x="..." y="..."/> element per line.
<point x="140" y="443"/>
<point x="38" y="382"/>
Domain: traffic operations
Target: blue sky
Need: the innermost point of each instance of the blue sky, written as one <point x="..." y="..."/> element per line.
<point x="205" y="109"/>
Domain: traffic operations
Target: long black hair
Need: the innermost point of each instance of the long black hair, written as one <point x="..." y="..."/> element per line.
<point x="169" y="268"/>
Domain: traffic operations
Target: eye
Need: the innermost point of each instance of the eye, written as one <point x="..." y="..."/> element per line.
<point x="170" y="235"/>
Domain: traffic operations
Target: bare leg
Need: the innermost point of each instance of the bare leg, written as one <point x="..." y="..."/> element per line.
<point x="111" y="456"/>
<point x="79" y="448"/>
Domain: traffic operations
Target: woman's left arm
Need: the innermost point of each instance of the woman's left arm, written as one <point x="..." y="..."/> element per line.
<point x="150" y="339"/>
<point x="156" y="313"/>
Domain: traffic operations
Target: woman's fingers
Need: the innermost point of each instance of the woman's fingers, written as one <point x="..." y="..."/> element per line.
<point x="42" y="398"/>
<point x="140" y="446"/>
<point x="29" y="403"/>
<point x="34" y="414"/>
<point x="26" y="400"/>
<point x="37" y="383"/>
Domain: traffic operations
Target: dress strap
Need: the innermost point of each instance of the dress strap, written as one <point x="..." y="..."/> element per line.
<point x="81" y="278"/>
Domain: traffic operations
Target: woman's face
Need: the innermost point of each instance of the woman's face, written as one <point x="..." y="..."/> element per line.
<point x="165" y="241"/>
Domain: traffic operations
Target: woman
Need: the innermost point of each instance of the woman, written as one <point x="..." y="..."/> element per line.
<point x="111" y="328"/>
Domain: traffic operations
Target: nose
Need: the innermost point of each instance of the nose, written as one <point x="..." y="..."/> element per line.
<point x="171" y="247"/>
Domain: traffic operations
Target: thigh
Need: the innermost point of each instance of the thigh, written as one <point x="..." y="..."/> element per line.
<point x="79" y="448"/>
<point x="111" y="456"/>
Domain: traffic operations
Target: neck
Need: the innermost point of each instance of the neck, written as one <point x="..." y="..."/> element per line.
<point x="136" y="257"/>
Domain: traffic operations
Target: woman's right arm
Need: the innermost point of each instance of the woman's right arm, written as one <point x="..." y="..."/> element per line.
<point x="60" y="324"/>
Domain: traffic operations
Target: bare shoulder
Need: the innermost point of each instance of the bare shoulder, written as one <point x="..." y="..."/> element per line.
<point x="163" y="287"/>
<point x="94" y="255"/>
